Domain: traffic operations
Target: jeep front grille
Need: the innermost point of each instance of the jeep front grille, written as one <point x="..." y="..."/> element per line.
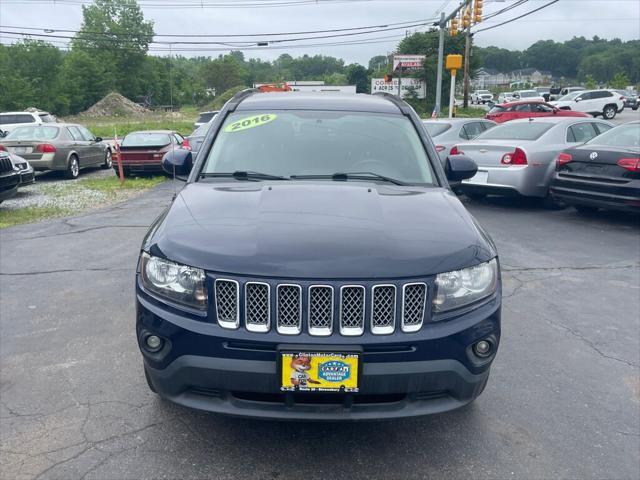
<point x="348" y="309"/>
<point x="227" y="300"/>
<point x="257" y="306"/>
<point x="414" y="298"/>
<point x="352" y="310"/>
<point x="383" y="309"/>
<point x="289" y="309"/>
<point x="320" y="310"/>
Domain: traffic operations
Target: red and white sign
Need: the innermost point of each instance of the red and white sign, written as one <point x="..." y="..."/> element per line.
<point x="408" y="62"/>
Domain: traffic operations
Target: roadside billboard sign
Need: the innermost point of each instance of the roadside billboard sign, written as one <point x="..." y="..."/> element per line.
<point x="408" y="62"/>
<point x="408" y="83"/>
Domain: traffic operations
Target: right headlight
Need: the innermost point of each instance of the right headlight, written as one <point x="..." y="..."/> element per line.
<point x="179" y="283"/>
<point x="463" y="287"/>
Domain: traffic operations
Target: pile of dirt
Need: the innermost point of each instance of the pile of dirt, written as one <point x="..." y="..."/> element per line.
<point x="114" y="105"/>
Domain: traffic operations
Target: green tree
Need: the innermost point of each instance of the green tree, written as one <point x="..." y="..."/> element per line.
<point x="590" y="82"/>
<point x="223" y="73"/>
<point x="84" y="79"/>
<point x="359" y="76"/>
<point x="620" y="80"/>
<point x="116" y="32"/>
<point x="378" y="62"/>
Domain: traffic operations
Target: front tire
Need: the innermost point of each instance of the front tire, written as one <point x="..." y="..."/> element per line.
<point x="73" y="168"/>
<point x="108" y="161"/>
<point x="609" y="112"/>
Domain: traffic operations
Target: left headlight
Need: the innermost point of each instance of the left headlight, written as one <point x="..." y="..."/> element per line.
<point x="179" y="283"/>
<point x="463" y="287"/>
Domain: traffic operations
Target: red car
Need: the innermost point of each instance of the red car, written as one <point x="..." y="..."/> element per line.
<point x="142" y="152"/>
<point x="512" y="110"/>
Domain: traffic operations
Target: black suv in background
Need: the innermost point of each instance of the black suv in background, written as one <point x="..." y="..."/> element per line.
<point x="9" y="177"/>
<point x="317" y="266"/>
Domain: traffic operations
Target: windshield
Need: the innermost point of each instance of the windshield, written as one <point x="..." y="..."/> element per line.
<point x="33" y="133"/>
<point x="570" y="96"/>
<point x="622" y="136"/>
<point x="484" y="91"/>
<point x="297" y="143"/>
<point x="201" y="131"/>
<point x="497" y="109"/>
<point x="142" y="139"/>
<point x="436" y="128"/>
<point x="516" y="131"/>
<point x="206" y="116"/>
<point x="528" y="94"/>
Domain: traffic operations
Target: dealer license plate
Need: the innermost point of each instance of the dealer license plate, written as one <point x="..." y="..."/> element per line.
<point x="19" y="150"/>
<point x="479" y="177"/>
<point x="319" y="372"/>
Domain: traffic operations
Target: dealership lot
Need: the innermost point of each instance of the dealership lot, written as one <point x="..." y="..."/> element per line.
<point x="563" y="399"/>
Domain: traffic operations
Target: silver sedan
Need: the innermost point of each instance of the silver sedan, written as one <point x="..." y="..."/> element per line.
<point x="519" y="157"/>
<point x="446" y="133"/>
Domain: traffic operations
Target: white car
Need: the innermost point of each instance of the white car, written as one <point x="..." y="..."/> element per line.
<point x="506" y="97"/>
<point x="528" y="95"/>
<point x="11" y="120"/>
<point x="481" y="96"/>
<point x="594" y="102"/>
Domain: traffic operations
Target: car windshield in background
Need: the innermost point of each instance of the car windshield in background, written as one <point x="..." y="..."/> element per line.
<point x="47" y="118"/>
<point x="569" y="96"/>
<point x="297" y="143"/>
<point x="33" y="133"/>
<point x="529" y="94"/>
<point x="205" y="117"/>
<point x="626" y="136"/>
<point x="516" y="131"/>
<point x="484" y="92"/>
<point x="436" y="128"/>
<point x="201" y="131"/>
<point x="10" y="118"/>
<point x="497" y="109"/>
<point x="146" y="140"/>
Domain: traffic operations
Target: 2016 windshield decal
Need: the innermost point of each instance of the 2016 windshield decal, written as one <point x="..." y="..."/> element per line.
<point x="250" y="122"/>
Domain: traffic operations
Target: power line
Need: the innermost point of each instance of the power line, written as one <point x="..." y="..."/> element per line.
<point x="518" y="17"/>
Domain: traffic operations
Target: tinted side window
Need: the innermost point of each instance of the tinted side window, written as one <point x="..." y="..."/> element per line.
<point x="581" y="132"/>
<point x="473" y="129"/>
<point x="487" y="125"/>
<point x="523" y="108"/>
<point x="601" y="127"/>
<point x="86" y="134"/>
<point x="541" y="108"/>
<point x="75" y="134"/>
<point x="586" y="96"/>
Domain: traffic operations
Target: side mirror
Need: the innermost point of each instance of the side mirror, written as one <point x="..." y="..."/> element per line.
<point x="178" y="162"/>
<point x="97" y="139"/>
<point x="459" y="167"/>
<point x="578" y="99"/>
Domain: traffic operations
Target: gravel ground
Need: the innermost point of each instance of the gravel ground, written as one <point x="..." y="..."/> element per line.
<point x="52" y="190"/>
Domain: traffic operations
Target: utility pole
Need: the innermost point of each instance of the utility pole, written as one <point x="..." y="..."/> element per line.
<point x="467" y="50"/>
<point x="440" y="59"/>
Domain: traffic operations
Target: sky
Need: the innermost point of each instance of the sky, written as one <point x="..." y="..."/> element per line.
<point x="560" y="21"/>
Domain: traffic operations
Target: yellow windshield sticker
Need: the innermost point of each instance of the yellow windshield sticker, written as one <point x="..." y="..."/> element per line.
<point x="250" y="122"/>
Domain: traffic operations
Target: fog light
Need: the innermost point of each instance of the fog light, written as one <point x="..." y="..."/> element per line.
<point x="482" y="348"/>
<point x="153" y="342"/>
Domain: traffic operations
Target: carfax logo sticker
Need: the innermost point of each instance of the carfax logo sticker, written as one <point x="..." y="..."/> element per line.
<point x="334" y="371"/>
<point x="250" y="122"/>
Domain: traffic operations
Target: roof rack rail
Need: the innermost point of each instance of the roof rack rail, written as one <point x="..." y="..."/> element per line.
<point x="238" y="97"/>
<point x="401" y="104"/>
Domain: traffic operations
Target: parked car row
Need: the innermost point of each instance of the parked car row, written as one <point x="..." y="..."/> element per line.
<point x="561" y="160"/>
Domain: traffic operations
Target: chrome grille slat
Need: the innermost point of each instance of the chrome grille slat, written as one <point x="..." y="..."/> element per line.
<point x="352" y="298"/>
<point x="227" y="303"/>
<point x="383" y="309"/>
<point x="320" y="310"/>
<point x="289" y="302"/>
<point x="257" y="306"/>
<point x="414" y="299"/>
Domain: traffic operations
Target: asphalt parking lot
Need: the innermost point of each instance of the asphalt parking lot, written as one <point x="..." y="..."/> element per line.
<point x="563" y="399"/>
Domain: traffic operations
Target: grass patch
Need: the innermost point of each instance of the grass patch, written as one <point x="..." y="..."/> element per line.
<point x="105" y="128"/>
<point x="468" y="112"/>
<point x="9" y="218"/>
<point x="111" y="185"/>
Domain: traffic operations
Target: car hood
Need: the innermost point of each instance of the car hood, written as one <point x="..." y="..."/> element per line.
<point x="311" y="229"/>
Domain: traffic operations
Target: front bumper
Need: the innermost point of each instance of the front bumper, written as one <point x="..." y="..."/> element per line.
<point x="9" y="185"/>
<point x="235" y="372"/>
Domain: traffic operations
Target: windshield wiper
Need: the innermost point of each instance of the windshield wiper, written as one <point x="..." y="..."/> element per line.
<point x="243" y="175"/>
<point x="347" y="175"/>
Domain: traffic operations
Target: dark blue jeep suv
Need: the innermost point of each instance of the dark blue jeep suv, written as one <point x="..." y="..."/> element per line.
<point x="317" y="266"/>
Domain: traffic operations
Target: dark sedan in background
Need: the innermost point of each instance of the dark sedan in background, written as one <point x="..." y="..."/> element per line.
<point x="197" y="137"/>
<point x="141" y="152"/>
<point x="602" y="173"/>
<point x="65" y="147"/>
